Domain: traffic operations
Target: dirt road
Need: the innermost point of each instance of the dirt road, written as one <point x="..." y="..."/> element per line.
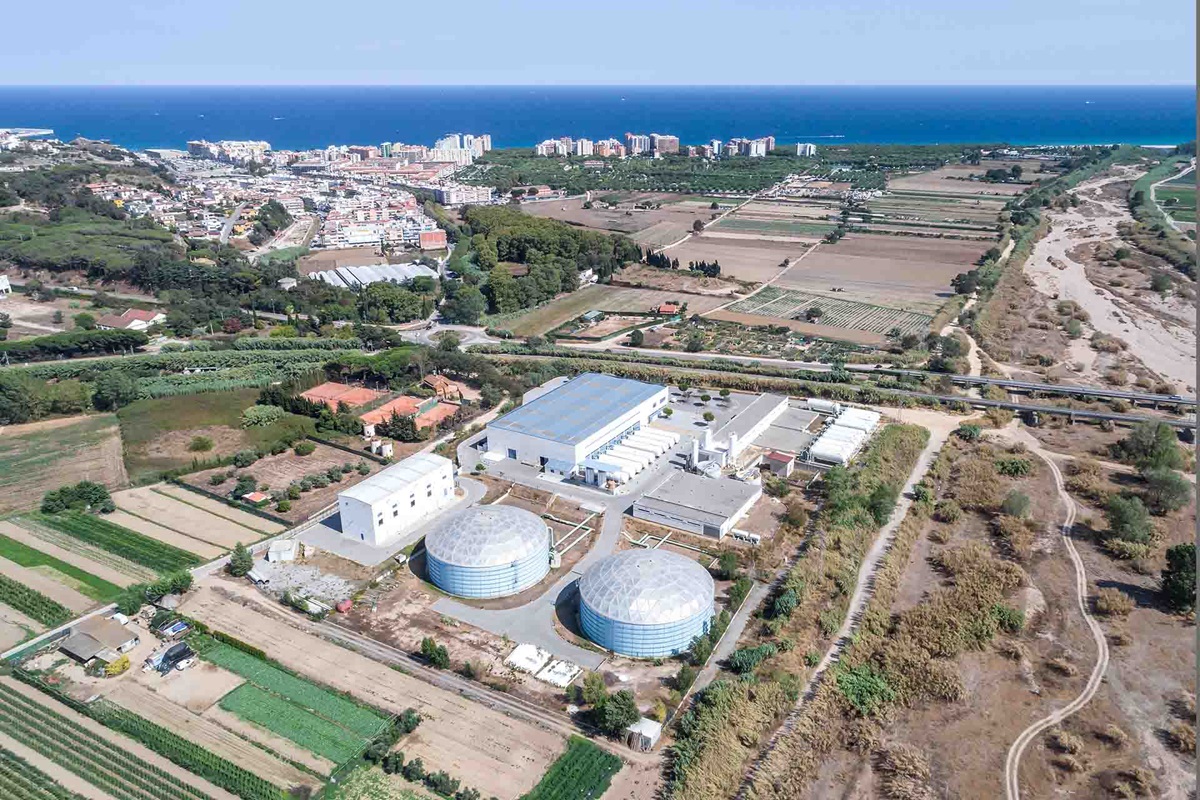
<point x="1012" y="765"/>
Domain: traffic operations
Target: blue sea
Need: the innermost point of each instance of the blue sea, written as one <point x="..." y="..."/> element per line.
<point x="306" y="117"/>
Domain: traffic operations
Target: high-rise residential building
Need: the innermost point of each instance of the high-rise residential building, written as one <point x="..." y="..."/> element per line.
<point x="385" y="149"/>
<point x="756" y="148"/>
<point x="468" y="142"/>
<point x="805" y="149"/>
<point x="663" y="143"/>
<point x="770" y="140"/>
<point x="451" y="141"/>
<point x="546" y="148"/>
<point x="636" y="143"/>
<point x="485" y="141"/>
<point x="583" y="147"/>
<point x="567" y="142"/>
<point x="730" y="148"/>
<point x="715" y="144"/>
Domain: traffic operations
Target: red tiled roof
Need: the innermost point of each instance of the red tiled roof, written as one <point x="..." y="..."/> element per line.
<point x="780" y="457"/>
<point x="137" y="313"/>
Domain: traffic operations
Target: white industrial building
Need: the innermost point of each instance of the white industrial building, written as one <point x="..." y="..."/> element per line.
<point x="708" y="506"/>
<point x="387" y="504"/>
<point x="840" y="441"/>
<point x="593" y="427"/>
<point x="723" y="448"/>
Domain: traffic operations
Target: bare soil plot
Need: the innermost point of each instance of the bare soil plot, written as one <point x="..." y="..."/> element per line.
<point x="818" y="331"/>
<point x="278" y="471"/>
<point x="186" y="518"/>
<point x="497" y="754"/>
<point x="100" y="563"/>
<point x="321" y="260"/>
<point x="954" y="179"/>
<point x="235" y="515"/>
<point x="754" y="259"/>
<point x="30" y="318"/>
<point x="640" y="276"/>
<point x="196" y="689"/>
<point x="899" y="272"/>
<point x="41" y="580"/>
<point x="15" y="627"/>
<point x="41" y="456"/>
<point x="212" y="737"/>
<point x="167" y="535"/>
<point x="790" y="304"/>
<point x="139" y="751"/>
<point x="647" y="226"/>
<point x="615" y="299"/>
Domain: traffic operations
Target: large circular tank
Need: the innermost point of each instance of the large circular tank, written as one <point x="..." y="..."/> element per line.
<point x="488" y="551"/>
<point x="645" y="603"/>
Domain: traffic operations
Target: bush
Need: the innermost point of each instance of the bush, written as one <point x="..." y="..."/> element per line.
<point x="1014" y="467"/>
<point x="1016" y="504"/>
<point x="217" y="480"/>
<point x="283" y="506"/>
<point x="116" y="667"/>
<point x="1128" y="520"/>
<point x="1113" y="603"/>
<point x="747" y="659"/>
<point x="1010" y="619"/>
<point x="200" y="444"/>
<point x="79" y="496"/>
<point x="947" y="511"/>
<point x="1166" y="490"/>
<point x="257" y="416"/>
<point x="1182" y="736"/>
<point x="1179" y="578"/>
<point x="864" y="688"/>
<point x="245" y="458"/>
<point x="435" y="654"/>
<point x="685" y="677"/>
<point x="969" y="433"/>
<point x="304" y="448"/>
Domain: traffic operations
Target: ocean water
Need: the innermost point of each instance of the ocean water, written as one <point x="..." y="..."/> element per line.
<point x="305" y="117"/>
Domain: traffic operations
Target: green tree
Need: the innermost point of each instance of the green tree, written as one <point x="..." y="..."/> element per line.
<point x="114" y="389"/>
<point x="1128" y="519"/>
<point x="1166" y="491"/>
<point x="594" y="690"/>
<point x="882" y="501"/>
<point x="1150" y="445"/>
<point x="637" y="338"/>
<point x="241" y="561"/>
<point x="84" y="321"/>
<point x="435" y="654"/>
<point x="504" y="296"/>
<point x="727" y="565"/>
<point x="618" y="713"/>
<point x="1179" y="578"/>
<point x="466" y="307"/>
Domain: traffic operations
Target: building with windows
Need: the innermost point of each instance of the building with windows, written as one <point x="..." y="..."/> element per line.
<point x="389" y="503"/>
<point x="693" y="503"/>
<point x="663" y="144"/>
<point x="637" y="143"/>
<point x="585" y="427"/>
<point x="646" y="603"/>
<point x="488" y="551"/>
<point x="805" y="149"/>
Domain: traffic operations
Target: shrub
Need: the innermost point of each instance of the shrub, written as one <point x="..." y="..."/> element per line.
<point x="775" y="486"/>
<point x="1166" y="490"/>
<point x="293" y="491"/>
<point x="685" y="677"/>
<point x="1113" y="603"/>
<point x="1063" y="741"/>
<point x="1113" y="736"/>
<point x="1127" y="551"/>
<point x="969" y="433"/>
<point x="304" y="448"/>
<point x="260" y="416"/>
<point x="947" y="511"/>
<point x="1179" y="578"/>
<point x="283" y="506"/>
<point x="1063" y="667"/>
<point x="747" y="659"/>
<point x="1016" y="504"/>
<point x="1128" y="519"/>
<point x="1182" y="736"/>
<point x="116" y="667"/>
<point x="864" y="688"/>
<point x="244" y="458"/>
<point x="435" y="654"/>
<point x="200" y="444"/>
<point x="79" y="496"/>
<point x="1010" y="619"/>
<point x="217" y="480"/>
<point x="1014" y="467"/>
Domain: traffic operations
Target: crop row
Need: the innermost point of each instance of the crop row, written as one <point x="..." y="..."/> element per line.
<point x="177" y="362"/>
<point x="323" y="702"/>
<point x="86" y="754"/>
<point x="289" y="720"/>
<point x="119" y="541"/>
<point x="583" y="772"/>
<point x="94" y="587"/>
<point x="32" y="603"/>
<point x="187" y="754"/>
<point x="21" y="781"/>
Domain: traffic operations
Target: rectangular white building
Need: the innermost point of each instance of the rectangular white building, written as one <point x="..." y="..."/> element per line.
<point x="579" y="420"/>
<point x="387" y="504"/>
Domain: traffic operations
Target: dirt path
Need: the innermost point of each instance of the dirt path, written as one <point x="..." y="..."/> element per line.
<point x="41" y="582"/>
<point x="209" y="735"/>
<point x="1169" y="350"/>
<point x="69" y="780"/>
<point x="769" y="281"/>
<point x="1154" y="194"/>
<point x="1012" y="764"/>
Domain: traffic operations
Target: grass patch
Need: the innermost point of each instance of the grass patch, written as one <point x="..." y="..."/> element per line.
<point x="96" y="588"/>
<point x="583" y="772"/>
<point x="33" y="462"/>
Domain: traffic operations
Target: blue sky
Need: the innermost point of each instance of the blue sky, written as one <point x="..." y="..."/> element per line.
<point x="648" y="42"/>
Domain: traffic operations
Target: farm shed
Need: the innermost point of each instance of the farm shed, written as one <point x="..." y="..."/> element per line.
<point x="97" y="637"/>
<point x="390" y="502"/>
<point x="707" y="506"/>
<point x="643" y="734"/>
<point x="780" y="464"/>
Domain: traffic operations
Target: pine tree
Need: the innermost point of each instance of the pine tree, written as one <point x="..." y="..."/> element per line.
<point x="241" y="561"/>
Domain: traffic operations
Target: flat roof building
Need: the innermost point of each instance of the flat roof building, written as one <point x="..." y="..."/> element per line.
<point x="576" y="421"/>
<point x="388" y="503"/>
<point x="689" y="502"/>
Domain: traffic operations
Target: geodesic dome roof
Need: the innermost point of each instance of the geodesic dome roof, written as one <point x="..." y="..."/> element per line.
<point x="487" y="536"/>
<point x="647" y="587"/>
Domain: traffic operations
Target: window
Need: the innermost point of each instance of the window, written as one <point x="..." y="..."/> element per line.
<point x="412" y="504"/>
<point x="512" y="454"/>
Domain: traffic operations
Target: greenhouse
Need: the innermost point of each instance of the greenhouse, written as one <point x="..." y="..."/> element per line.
<point x="645" y="603"/>
<point x="488" y="551"/>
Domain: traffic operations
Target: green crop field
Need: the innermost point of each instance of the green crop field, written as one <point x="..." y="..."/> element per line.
<point x="119" y="541"/>
<point x="583" y="772"/>
<point x="96" y="588"/>
<point x="21" y="781"/>
<point x="769" y="226"/>
<point x="32" y="603"/>
<point x="289" y="720"/>
<point x="1178" y="201"/>
<point x="88" y="755"/>
<point x="330" y="705"/>
<point x="791" y="304"/>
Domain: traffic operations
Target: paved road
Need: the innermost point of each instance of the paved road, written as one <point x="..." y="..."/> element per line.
<point x="229" y="222"/>
<point x="1012" y="764"/>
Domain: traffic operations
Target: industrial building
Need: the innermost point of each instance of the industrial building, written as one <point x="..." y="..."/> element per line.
<point x="593" y="427"/>
<point x="390" y="502"/>
<point x="645" y="603"/>
<point x="723" y="448"/>
<point x="689" y="502"/>
<point x="841" y="440"/>
<point x="488" y="551"/>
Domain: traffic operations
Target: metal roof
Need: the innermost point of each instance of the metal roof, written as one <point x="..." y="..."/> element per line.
<point x="762" y="406"/>
<point x="572" y="412"/>
<point x="692" y="495"/>
<point x="488" y="536"/>
<point x="395" y="478"/>
<point x="647" y="587"/>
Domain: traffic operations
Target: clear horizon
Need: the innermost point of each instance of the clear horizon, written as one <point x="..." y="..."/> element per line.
<point x="671" y="43"/>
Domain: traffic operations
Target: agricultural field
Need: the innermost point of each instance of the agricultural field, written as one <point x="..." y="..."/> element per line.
<point x="805" y="220"/>
<point x="196" y="528"/>
<point x="35" y="560"/>
<point x="545" y="318"/>
<point x="69" y="550"/>
<point x="19" y="780"/>
<point x="497" y="754"/>
<point x="656" y="227"/>
<point x="277" y="472"/>
<point x="955" y="179"/>
<point x="584" y="770"/>
<point x="120" y="541"/>
<point x="749" y="257"/>
<point x="791" y="304"/>
<point x="933" y="215"/>
<point x="895" y="271"/>
<point x="684" y="281"/>
<point x="159" y="432"/>
<point x="1178" y="197"/>
<point x="41" y="456"/>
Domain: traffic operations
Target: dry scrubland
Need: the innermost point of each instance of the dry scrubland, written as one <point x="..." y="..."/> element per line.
<point x="41" y="456"/>
<point x="753" y="259"/>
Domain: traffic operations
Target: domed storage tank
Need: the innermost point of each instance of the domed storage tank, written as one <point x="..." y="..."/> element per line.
<point x="488" y="551"/>
<point x="645" y="603"/>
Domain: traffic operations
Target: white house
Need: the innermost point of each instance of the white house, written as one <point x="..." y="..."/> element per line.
<point x="133" y="319"/>
<point x="391" y="502"/>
